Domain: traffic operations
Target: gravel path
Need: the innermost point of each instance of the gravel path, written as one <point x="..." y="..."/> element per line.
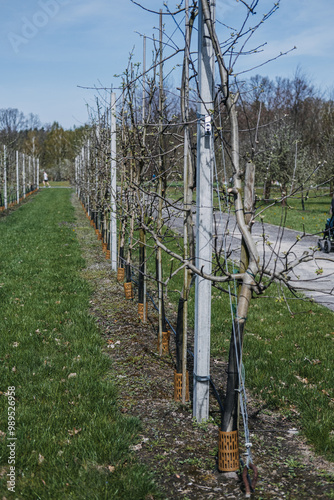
<point x="315" y="278"/>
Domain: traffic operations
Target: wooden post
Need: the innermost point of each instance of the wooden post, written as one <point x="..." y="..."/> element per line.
<point x="230" y="420"/>
<point x="249" y="196"/>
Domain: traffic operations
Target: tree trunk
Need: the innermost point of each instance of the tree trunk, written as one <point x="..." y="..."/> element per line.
<point x="267" y="190"/>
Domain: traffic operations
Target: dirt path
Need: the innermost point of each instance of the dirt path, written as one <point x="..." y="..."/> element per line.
<point x="181" y="453"/>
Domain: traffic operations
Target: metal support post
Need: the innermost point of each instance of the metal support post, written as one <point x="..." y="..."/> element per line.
<point x="113" y="186"/>
<point x="204" y="201"/>
<point x="17" y="179"/>
<point x="5" y="191"/>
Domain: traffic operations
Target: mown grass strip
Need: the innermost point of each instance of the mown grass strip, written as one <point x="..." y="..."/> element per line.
<point x="288" y="352"/>
<point x="72" y="441"/>
<point x="289" y="364"/>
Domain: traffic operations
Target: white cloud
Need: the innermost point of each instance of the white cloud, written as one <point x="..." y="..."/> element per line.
<point x="90" y="40"/>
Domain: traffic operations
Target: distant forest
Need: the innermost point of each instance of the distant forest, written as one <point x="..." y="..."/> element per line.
<point x="55" y="147"/>
<point x="283" y="123"/>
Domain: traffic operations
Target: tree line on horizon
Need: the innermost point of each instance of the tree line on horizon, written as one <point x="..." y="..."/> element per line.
<point x="286" y="129"/>
<point x="55" y="146"/>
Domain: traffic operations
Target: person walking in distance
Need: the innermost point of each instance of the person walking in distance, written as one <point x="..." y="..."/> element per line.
<point x="45" y="179"/>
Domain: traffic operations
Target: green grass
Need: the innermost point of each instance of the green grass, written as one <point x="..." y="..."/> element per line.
<point x="312" y="219"/>
<point x="288" y="362"/>
<point x="58" y="184"/>
<point x="69" y="429"/>
<point x="288" y="359"/>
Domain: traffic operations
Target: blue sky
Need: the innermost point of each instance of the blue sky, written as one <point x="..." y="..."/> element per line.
<point x="50" y="47"/>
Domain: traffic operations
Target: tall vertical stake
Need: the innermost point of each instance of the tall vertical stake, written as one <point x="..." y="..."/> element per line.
<point x="204" y="200"/>
<point x="88" y="177"/>
<point x="29" y="173"/>
<point x="34" y="162"/>
<point x="76" y="174"/>
<point x="113" y="185"/>
<point x="37" y="173"/>
<point x="34" y="170"/>
<point x="17" y="179"/>
<point x="24" y="174"/>
<point x="144" y="84"/>
<point x="186" y="201"/>
<point x="160" y="193"/>
<point x="5" y="192"/>
<point x="144" y="209"/>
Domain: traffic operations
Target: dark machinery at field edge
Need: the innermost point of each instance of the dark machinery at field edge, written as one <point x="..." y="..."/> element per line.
<point x="326" y="244"/>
